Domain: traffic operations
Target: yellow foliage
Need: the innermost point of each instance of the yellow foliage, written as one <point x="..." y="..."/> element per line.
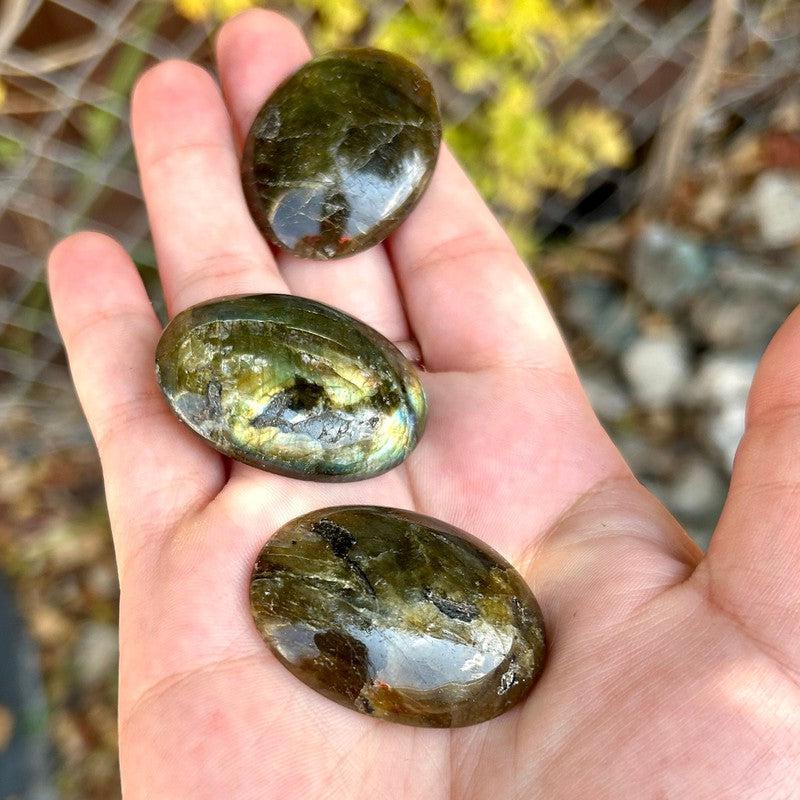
<point x="11" y="151"/>
<point x="204" y="10"/>
<point x="223" y="9"/>
<point x="504" y="35"/>
<point x="598" y="133"/>
<point x="494" y="52"/>
<point x="425" y="33"/>
<point x="520" y="234"/>
<point x="587" y="139"/>
<point x="3" y="94"/>
<point x="337" y="20"/>
<point x="471" y="72"/>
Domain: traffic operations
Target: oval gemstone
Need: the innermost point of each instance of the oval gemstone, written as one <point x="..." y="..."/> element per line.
<point x="398" y="616"/>
<point x="292" y="386"/>
<point x="341" y="152"/>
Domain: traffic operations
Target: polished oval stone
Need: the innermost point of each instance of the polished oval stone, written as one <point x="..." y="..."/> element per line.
<point x="341" y="152"/>
<point x="398" y="616"/>
<point x="292" y="386"/>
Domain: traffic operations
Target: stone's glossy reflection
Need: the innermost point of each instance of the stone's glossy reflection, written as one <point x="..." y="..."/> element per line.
<point x="398" y="616"/>
<point x="341" y="152"/>
<point x="291" y="386"/>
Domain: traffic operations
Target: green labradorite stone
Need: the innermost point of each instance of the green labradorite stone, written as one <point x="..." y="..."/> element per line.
<point x="398" y="616"/>
<point x="291" y="386"/>
<point x="341" y="152"/>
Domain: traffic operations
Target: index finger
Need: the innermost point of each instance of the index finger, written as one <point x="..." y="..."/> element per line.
<point x="155" y="470"/>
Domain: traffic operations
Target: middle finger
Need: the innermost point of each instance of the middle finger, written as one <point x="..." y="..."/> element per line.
<point x="249" y="56"/>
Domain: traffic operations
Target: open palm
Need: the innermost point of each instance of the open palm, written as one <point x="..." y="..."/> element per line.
<point x="669" y="675"/>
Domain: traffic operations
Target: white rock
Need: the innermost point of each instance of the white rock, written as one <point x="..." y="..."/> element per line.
<point x="723" y="384"/>
<point x="697" y="491"/>
<point x="725" y="430"/>
<point x="776" y="206"/>
<point x="657" y="368"/>
<point x="728" y="318"/>
<point x="646" y="457"/>
<point x="102" y="580"/>
<point x="96" y="653"/>
<point x="722" y="378"/>
<point x="609" y="401"/>
<point x="734" y="271"/>
<point x="668" y="265"/>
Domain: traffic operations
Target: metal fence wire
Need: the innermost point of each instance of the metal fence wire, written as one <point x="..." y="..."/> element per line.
<point x="60" y="58"/>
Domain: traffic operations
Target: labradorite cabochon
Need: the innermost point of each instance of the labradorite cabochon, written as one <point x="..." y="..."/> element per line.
<point x="341" y="152"/>
<point x="291" y="386"/>
<point x="398" y="616"/>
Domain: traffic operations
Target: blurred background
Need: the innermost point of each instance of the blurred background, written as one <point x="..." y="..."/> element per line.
<point x="645" y="157"/>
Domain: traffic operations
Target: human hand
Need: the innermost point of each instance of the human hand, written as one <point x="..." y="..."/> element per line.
<point x="668" y="675"/>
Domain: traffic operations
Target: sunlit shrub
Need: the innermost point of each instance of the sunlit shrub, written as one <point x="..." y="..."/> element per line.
<point x="489" y="58"/>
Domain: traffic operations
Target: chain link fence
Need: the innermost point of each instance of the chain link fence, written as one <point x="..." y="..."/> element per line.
<point x="59" y="58"/>
<point x="67" y="163"/>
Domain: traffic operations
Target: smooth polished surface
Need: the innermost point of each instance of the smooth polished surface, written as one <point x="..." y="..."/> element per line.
<point x="398" y="616"/>
<point x="341" y="152"/>
<point x="292" y="386"/>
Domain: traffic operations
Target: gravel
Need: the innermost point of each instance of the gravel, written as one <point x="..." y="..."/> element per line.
<point x="96" y="653"/>
<point x="657" y="368"/>
<point x="668" y="265"/>
<point x="775" y="201"/>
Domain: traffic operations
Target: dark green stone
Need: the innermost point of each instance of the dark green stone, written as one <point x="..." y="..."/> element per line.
<point x="292" y="386"/>
<point x="341" y="152"/>
<point x="398" y="616"/>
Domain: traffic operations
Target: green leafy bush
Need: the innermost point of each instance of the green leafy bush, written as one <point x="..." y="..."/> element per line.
<point x="496" y="53"/>
<point x="489" y="58"/>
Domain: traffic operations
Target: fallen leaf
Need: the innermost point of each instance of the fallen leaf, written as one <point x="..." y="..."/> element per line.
<point x="6" y="727"/>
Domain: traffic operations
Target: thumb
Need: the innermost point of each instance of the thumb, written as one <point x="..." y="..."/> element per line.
<point x="753" y="564"/>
